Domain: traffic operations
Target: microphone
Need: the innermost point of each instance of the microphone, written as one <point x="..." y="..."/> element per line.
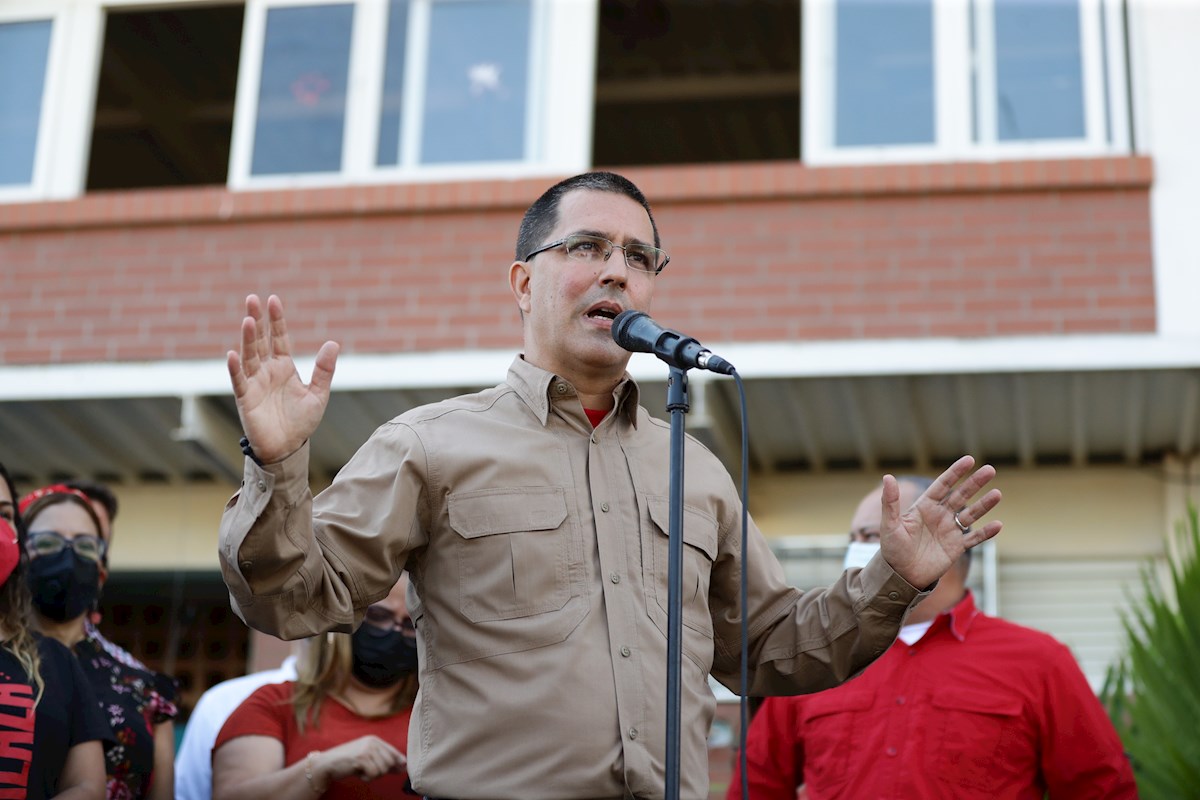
<point x="637" y="333"/>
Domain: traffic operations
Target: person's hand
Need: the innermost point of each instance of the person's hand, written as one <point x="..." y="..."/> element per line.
<point x="923" y="542"/>
<point x="367" y="757"/>
<point x="278" y="410"/>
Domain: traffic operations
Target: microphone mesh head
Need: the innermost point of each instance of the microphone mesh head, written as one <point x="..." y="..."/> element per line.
<point x="620" y="328"/>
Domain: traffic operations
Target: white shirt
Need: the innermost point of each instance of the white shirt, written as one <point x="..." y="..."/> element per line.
<point x="193" y="761"/>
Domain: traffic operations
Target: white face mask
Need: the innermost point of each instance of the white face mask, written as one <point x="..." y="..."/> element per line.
<point x="859" y="553"/>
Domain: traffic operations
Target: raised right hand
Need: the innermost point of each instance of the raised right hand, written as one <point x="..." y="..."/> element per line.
<point x="279" y="412"/>
<point x="367" y="757"/>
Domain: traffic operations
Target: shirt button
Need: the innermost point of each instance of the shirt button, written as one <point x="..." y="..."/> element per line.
<point x="262" y="486"/>
<point x="246" y="565"/>
<point x="893" y="595"/>
<point x="604" y="507"/>
<point x="561" y="388"/>
<point x="595" y="439"/>
<point x="891" y="751"/>
<point x="633" y="733"/>
<point x="615" y="578"/>
<point x="625" y="651"/>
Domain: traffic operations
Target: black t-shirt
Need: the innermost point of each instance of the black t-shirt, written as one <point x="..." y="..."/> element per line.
<point x="34" y="742"/>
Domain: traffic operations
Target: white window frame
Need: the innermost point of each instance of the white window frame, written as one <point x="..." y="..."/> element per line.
<point x="957" y="78"/>
<point x="558" y="101"/>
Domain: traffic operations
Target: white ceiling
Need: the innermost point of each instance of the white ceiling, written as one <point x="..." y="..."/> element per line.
<point x="816" y="423"/>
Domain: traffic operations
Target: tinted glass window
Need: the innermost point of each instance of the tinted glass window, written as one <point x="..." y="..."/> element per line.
<point x="302" y="95"/>
<point x="1039" y="70"/>
<point x="388" y="150"/>
<point x="24" y="48"/>
<point x="884" y="72"/>
<point x="475" y="92"/>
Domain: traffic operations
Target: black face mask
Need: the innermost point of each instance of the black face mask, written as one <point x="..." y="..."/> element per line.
<point x="64" y="585"/>
<point x="382" y="658"/>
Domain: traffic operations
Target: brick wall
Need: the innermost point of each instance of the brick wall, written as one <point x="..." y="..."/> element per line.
<point x="759" y="252"/>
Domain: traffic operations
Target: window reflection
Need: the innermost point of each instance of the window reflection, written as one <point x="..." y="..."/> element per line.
<point x="475" y="92"/>
<point x="24" y="49"/>
<point x="884" y="73"/>
<point x="388" y="149"/>
<point x="302" y="94"/>
<point x="1039" y="70"/>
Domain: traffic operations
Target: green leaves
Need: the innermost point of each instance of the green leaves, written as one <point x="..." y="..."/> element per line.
<point x="1153" y="694"/>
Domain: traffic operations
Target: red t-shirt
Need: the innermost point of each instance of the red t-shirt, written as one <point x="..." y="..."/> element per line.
<point x="268" y="712"/>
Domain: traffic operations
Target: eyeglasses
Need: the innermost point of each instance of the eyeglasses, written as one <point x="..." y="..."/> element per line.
<point x="51" y="543"/>
<point x="382" y="617"/>
<point x="584" y="247"/>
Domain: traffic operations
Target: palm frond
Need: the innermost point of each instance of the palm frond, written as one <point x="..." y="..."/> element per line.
<point x="1153" y="693"/>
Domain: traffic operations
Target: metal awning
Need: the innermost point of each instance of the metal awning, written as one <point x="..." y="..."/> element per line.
<point x="816" y="423"/>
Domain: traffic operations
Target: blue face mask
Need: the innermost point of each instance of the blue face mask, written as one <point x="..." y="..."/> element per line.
<point x="859" y="553"/>
<point x="381" y="657"/>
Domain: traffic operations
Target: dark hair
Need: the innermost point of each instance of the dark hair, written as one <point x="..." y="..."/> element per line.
<point x="542" y="216"/>
<point x="16" y="606"/>
<point x="12" y="492"/>
<point x="54" y="499"/>
<point x="97" y="492"/>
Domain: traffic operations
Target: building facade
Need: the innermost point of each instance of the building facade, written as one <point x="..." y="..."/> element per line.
<point x="918" y="228"/>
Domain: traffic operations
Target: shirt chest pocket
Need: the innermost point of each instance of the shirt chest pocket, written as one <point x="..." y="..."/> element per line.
<point x="513" y="551"/>
<point x="699" y="552"/>
<point x="828" y="725"/>
<point x="984" y="742"/>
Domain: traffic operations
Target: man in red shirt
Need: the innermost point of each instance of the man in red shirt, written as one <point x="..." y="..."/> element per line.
<point x="962" y="706"/>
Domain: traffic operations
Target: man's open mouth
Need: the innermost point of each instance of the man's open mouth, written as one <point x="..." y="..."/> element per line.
<point x="604" y="311"/>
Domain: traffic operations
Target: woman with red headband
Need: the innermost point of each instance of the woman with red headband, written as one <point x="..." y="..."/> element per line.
<point x="50" y="723"/>
<point x="62" y="537"/>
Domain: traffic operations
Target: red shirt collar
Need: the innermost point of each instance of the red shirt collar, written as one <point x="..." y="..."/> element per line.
<point x="960" y="618"/>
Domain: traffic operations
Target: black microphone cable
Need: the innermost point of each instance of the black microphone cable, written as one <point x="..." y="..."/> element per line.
<point x="744" y="689"/>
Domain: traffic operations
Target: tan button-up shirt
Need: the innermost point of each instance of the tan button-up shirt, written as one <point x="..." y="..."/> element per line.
<point x="537" y="549"/>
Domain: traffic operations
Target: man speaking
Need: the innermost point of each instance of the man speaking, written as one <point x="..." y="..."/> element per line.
<point x="532" y="518"/>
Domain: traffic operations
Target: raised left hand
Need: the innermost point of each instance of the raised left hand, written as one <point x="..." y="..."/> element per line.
<point x="922" y="542"/>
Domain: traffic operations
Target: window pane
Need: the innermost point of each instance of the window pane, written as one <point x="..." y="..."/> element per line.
<point x="1039" y="70"/>
<point x="884" y="73"/>
<point x="475" y="89"/>
<point x="24" y="49"/>
<point x="302" y="96"/>
<point x="387" y="152"/>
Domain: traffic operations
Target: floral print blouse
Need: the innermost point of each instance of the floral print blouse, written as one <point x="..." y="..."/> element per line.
<point x="133" y="701"/>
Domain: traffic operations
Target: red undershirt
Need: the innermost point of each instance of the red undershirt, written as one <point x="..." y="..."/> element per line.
<point x="595" y="416"/>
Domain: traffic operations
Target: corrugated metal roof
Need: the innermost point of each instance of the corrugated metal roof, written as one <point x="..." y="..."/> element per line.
<point x="916" y="422"/>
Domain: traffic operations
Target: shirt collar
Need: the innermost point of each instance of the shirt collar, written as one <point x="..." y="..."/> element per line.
<point x="960" y="618"/>
<point x="537" y="388"/>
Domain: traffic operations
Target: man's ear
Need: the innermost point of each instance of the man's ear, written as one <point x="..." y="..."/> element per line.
<point x="520" y="281"/>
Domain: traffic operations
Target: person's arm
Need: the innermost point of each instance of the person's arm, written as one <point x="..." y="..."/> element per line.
<point x="252" y="767"/>
<point x="162" y="786"/>
<point x="295" y="567"/>
<point x="1081" y="753"/>
<point x="83" y="776"/>
<point x="808" y="641"/>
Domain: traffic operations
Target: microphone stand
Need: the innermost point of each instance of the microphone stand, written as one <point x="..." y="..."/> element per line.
<point x="677" y="406"/>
